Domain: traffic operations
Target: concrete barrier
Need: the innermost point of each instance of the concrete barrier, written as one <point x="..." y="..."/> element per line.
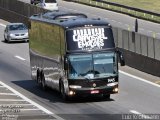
<point x="142" y="63"/>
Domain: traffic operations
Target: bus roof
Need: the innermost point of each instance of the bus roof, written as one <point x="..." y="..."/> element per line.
<point x="62" y="15"/>
<point x="69" y="22"/>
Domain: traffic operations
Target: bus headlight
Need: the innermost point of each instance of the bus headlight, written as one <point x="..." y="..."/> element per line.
<point x="71" y="93"/>
<point x="115" y="90"/>
<point x="75" y="86"/>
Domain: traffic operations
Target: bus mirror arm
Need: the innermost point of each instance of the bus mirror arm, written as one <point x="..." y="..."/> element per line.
<point x="121" y="58"/>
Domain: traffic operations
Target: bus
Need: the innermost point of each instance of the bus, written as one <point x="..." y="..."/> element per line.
<point x="75" y="56"/>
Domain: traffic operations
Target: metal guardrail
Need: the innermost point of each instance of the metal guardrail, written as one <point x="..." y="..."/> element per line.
<point x="136" y="12"/>
<point x="127" y="7"/>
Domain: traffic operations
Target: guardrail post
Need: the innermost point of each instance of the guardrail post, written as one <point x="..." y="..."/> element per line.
<point x="136" y="25"/>
<point x="102" y="4"/>
<point x="90" y="2"/>
<point x="152" y="16"/>
<point x="121" y="9"/>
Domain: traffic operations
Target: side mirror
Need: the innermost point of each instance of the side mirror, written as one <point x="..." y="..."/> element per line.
<point x="66" y="63"/>
<point x="121" y="58"/>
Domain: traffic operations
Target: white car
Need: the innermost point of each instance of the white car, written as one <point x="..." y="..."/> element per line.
<point x="16" y="32"/>
<point x="48" y="5"/>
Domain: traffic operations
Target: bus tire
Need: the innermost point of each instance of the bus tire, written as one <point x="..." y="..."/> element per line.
<point x="43" y="82"/>
<point x="38" y="77"/>
<point x="63" y="94"/>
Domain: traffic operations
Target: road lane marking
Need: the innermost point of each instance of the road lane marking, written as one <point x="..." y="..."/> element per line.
<point x="139" y="115"/>
<point x="20" y="57"/>
<point x="134" y="112"/>
<point x="138" y="78"/>
<point x="2" y="25"/>
<point x="11" y="100"/>
<point x="30" y="109"/>
<point x="18" y="105"/>
<point x="24" y="99"/>
<point x="8" y="94"/>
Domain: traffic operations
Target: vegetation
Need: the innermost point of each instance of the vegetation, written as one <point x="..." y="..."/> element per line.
<point x="150" y="5"/>
<point x="141" y="4"/>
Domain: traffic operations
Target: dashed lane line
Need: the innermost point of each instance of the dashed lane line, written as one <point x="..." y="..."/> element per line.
<point x="20" y="57"/>
<point x="139" y="115"/>
<point x="2" y="25"/>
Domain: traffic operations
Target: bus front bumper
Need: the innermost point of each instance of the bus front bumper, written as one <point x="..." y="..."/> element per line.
<point x="93" y="91"/>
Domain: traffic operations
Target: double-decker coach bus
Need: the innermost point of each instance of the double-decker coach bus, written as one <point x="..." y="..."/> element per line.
<point x="76" y="56"/>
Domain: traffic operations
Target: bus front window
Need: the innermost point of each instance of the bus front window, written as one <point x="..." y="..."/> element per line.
<point x="105" y="64"/>
<point x="92" y="66"/>
<point x="79" y="65"/>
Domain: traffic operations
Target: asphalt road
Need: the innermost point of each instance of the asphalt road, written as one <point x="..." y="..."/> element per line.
<point x="136" y="96"/>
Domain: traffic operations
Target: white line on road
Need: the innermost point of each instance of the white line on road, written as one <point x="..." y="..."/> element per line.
<point x="8" y="94"/>
<point x="138" y="78"/>
<point x="25" y="110"/>
<point x="2" y="25"/>
<point x="17" y="104"/>
<point x="134" y="112"/>
<point x="20" y="58"/>
<point x="25" y="98"/>
<point x="139" y="115"/>
<point x="17" y="100"/>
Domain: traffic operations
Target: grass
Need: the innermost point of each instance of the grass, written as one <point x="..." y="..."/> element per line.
<point x="149" y="5"/>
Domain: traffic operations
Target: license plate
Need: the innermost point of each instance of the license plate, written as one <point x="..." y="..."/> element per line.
<point x="94" y="91"/>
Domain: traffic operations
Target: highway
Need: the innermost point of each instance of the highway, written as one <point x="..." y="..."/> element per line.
<point x="136" y="97"/>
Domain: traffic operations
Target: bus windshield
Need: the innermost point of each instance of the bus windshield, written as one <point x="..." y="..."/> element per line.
<point x="92" y="66"/>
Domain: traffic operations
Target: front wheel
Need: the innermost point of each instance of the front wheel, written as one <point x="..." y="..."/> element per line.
<point x="43" y="82"/>
<point x="63" y="94"/>
<point x="5" y="39"/>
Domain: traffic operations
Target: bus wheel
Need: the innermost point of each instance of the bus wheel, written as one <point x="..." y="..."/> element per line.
<point x="43" y="82"/>
<point x="106" y="96"/>
<point x="38" y="77"/>
<point x="64" y="96"/>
